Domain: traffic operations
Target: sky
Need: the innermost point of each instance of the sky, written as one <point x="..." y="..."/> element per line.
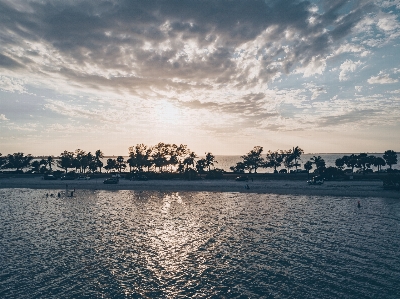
<point x="219" y="76"/>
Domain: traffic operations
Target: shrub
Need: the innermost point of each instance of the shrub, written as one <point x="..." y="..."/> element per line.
<point x="215" y="174"/>
<point x="190" y="174"/>
<point x="391" y="181"/>
<point x="332" y="173"/>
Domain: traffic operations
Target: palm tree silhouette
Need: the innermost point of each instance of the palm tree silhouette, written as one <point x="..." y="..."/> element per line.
<point x="296" y="154"/>
<point x="97" y="156"/>
<point x="274" y="159"/>
<point x="210" y="160"/>
<point x="319" y="163"/>
<point x="190" y="160"/>
<point x="50" y="162"/>
<point x="308" y="167"/>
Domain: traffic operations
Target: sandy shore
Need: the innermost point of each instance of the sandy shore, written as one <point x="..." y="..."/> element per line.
<point x="344" y="188"/>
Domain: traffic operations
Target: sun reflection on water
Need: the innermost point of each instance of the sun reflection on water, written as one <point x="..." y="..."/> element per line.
<point x="149" y="244"/>
<point x="172" y="242"/>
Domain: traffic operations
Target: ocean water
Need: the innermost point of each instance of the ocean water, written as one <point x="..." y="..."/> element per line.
<point x="127" y="244"/>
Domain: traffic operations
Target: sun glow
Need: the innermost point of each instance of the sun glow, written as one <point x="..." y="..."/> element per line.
<point x="167" y="113"/>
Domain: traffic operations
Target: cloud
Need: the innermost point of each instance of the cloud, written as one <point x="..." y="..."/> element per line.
<point x="388" y="22"/>
<point x="397" y="91"/>
<point x="355" y="116"/>
<point x="11" y="85"/>
<point x="3" y="117"/>
<point x="316" y="90"/>
<point x="78" y="111"/>
<point x="252" y="108"/>
<point x="8" y="62"/>
<point x="390" y="3"/>
<point x="139" y="47"/>
<point x="381" y="79"/>
<point x="351" y="48"/>
<point x="216" y="57"/>
<point x="347" y="67"/>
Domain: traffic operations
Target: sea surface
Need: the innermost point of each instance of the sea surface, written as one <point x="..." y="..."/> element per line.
<point x="128" y="244"/>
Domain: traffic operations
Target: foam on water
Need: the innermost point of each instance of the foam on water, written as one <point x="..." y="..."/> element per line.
<point x="127" y="244"/>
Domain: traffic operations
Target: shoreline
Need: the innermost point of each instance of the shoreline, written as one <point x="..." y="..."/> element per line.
<point x="288" y="187"/>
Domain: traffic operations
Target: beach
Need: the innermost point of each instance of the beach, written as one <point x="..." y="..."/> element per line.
<point x="295" y="187"/>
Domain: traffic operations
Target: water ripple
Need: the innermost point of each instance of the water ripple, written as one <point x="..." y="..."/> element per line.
<point x="127" y="244"/>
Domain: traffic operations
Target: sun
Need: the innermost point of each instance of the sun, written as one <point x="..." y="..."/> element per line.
<point x="167" y="113"/>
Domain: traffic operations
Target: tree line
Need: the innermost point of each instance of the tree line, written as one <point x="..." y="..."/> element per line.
<point x="253" y="160"/>
<point x="289" y="159"/>
<point x="164" y="157"/>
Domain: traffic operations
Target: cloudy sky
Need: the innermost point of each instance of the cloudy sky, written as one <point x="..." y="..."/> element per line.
<point x="220" y="76"/>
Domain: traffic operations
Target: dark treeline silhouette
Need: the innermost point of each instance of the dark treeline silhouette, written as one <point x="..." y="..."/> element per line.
<point x="160" y="158"/>
<point x="16" y="160"/>
<point x="172" y="158"/>
<point x="254" y="160"/>
<point x="291" y="158"/>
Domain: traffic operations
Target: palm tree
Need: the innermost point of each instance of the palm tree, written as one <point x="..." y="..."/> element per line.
<point x="93" y="166"/>
<point x="159" y="155"/>
<point x="65" y="160"/>
<point x="138" y="156"/>
<point x="200" y="165"/>
<point x="18" y="161"/>
<point x="43" y="162"/>
<point x="111" y="164"/>
<point x="131" y="162"/>
<point x="77" y="162"/>
<point x="274" y="159"/>
<point x="98" y="155"/>
<point x="319" y="163"/>
<point x="253" y="159"/>
<point x="120" y="163"/>
<point x="159" y="160"/>
<point x="339" y="163"/>
<point x="287" y="159"/>
<point x="238" y="168"/>
<point x="379" y="162"/>
<point x="173" y="161"/>
<point x="190" y="160"/>
<point x="86" y="160"/>
<point x="99" y="164"/>
<point x="210" y="160"/>
<point x="363" y="161"/>
<point x="350" y="161"/>
<point x="390" y="158"/>
<point x="50" y="162"/>
<point x="296" y="154"/>
<point x="2" y="160"/>
<point x="35" y="165"/>
<point x="308" y="167"/>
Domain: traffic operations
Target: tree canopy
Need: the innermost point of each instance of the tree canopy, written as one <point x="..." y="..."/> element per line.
<point x="390" y="157"/>
<point x="18" y="161"/>
<point x="253" y="160"/>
